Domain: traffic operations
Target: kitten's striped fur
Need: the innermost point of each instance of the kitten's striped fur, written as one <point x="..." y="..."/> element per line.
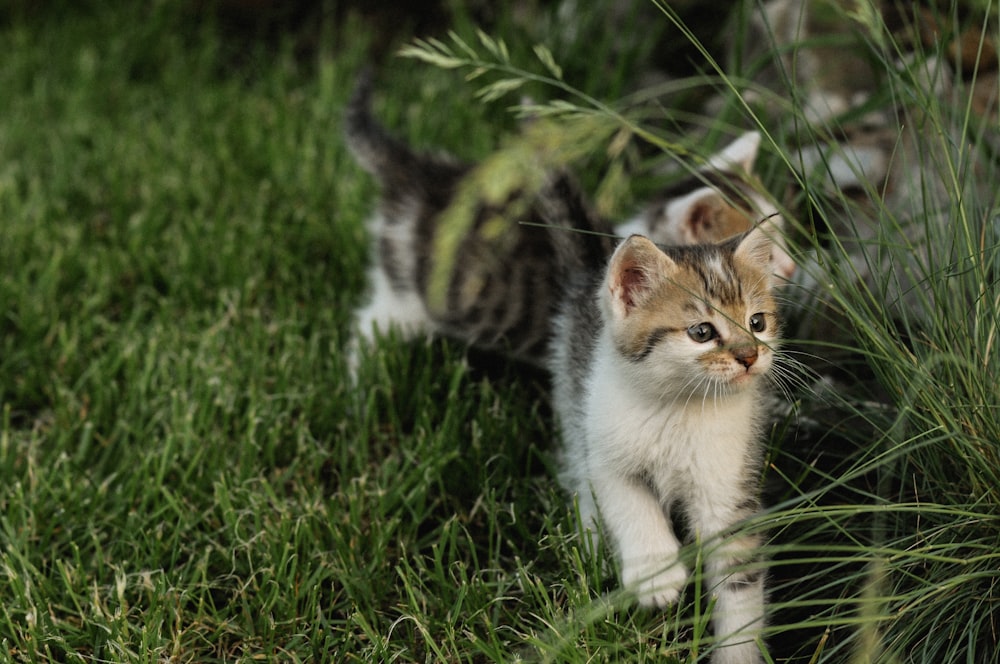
<point x="657" y="363"/>
<point x="504" y="288"/>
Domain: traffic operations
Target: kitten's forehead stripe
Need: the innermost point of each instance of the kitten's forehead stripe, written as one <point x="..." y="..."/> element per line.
<point x="719" y="279"/>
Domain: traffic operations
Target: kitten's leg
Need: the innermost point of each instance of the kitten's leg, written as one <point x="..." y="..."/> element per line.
<point x="388" y="309"/>
<point x="735" y="581"/>
<point x="642" y="537"/>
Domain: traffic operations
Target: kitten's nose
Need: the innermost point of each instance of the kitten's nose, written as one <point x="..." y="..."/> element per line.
<point x="745" y="355"/>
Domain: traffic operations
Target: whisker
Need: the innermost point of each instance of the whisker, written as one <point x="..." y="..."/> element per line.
<point x="786" y="378"/>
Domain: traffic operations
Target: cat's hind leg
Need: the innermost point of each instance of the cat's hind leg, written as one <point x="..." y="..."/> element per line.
<point x="389" y="310"/>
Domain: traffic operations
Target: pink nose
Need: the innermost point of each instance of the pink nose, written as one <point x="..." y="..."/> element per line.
<point x="745" y="355"/>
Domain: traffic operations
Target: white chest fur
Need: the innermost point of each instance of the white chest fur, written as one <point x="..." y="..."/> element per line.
<point x="688" y="450"/>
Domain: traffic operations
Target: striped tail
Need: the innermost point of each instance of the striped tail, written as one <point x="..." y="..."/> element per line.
<point x="374" y="148"/>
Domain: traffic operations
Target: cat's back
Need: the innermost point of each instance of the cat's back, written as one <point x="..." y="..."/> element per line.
<point x="509" y="276"/>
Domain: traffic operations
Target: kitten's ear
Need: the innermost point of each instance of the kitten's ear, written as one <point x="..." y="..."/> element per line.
<point x="703" y="216"/>
<point x="755" y="247"/>
<point x="739" y="155"/>
<point x="636" y="268"/>
<point x="764" y="247"/>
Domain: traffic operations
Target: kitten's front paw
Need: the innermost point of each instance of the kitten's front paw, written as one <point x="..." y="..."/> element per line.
<point x="655" y="587"/>
<point x="743" y="653"/>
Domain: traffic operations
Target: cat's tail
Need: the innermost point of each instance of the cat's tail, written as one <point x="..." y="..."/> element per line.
<point x="374" y="148"/>
<point x="582" y="239"/>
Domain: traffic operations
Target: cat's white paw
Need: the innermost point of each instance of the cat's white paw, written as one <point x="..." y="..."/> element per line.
<point x="655" y="587"/>
<point x="743" y="653"/>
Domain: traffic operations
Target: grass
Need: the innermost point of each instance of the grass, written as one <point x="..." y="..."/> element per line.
<point x="186" y="475"/>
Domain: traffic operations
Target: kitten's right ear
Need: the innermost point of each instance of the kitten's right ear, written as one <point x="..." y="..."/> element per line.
<point x="739" y="155"/>
<point x="636" y="268"/>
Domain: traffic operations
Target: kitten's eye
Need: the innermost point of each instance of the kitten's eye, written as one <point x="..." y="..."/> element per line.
<point x="702" y="332"/>
<point x="758" y="323"/>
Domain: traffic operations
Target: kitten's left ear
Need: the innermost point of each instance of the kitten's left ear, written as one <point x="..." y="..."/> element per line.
<point x="739" y="155"/>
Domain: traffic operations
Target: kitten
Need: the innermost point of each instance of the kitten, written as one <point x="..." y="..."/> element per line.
<point x="658" y="364"/>
<point x="501" y="290"/>
<point x="498" y="292"/>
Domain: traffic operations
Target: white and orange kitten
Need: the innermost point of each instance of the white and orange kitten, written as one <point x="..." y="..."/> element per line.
<point x="658" y="365"/>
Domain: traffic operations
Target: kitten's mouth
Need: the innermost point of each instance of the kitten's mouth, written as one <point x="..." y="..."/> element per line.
<point x="743" y="377"/>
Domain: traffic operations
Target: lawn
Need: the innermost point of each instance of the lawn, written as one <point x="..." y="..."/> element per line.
<point x="187" y="473"/>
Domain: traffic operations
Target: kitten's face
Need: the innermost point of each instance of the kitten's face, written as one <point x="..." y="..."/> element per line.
<point x="701" y="321"/>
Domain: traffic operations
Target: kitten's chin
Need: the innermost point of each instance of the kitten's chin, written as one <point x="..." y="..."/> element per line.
<point x="742" y="381"/>
<point x="725" y="387"/>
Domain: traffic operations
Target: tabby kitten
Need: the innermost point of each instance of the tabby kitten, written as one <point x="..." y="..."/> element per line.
<point x="449" y="257"/>
<point x="658" y="364"/>
<point x="501" y="288"/>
